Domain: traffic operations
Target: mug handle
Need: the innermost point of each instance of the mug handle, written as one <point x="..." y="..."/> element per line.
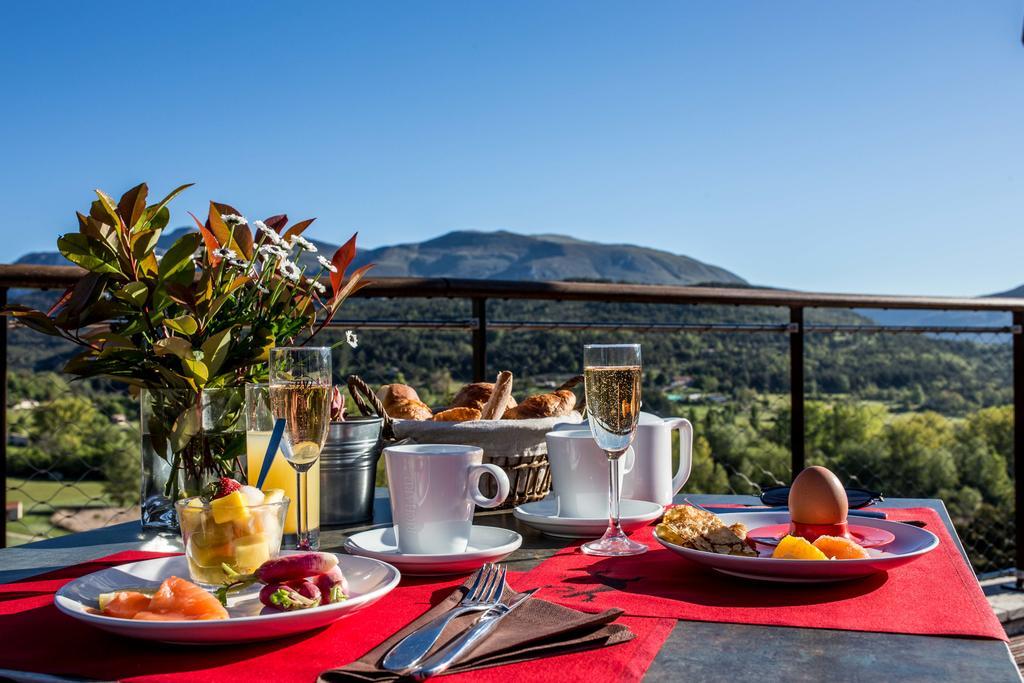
<point x="477" y="471"/>
<point x="628" y="460"/>
<point x="685" y="451"/>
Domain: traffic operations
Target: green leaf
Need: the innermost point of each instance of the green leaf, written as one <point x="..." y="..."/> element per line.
<point x="156" y="220"/>
<point x="185" y="325"/>
<point x="173" y="346"/>
<point x="34" y="320"/>
<point x="89" y="254"/>
<point x="215" y="350"/>
<point x="110" y="209"/>
<point x="156" y="208"/>
<point x="133" y="205"/>
<point x="185" y="428"/>
<point x="134" y="293"/>
<point x="179" y="256"/>
<point x="196" y="369"/>
<point x="143" y="243"/>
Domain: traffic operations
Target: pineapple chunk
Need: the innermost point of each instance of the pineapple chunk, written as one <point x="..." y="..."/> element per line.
<point x="230" y="508"/>
<point x="273" y="496"/>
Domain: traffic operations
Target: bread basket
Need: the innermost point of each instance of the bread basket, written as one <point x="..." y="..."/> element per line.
<point x="516" y="446"/>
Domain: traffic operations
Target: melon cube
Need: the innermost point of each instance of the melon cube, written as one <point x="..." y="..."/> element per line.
<point x="251" y="552"/>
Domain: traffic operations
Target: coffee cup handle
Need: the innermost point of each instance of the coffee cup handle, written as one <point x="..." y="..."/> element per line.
<point x="477" y="471"/>
<point x="628" y="460"/>
<point x="685" y="452"/>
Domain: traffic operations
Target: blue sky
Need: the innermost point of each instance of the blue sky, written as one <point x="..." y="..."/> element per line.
<point x="860" y="146"/>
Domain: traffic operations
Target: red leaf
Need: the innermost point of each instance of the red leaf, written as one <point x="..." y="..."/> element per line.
<point x="62" y="300"/>
<point x="299" y="227"/>
<point x="341" y="260"/>
<point x="209" y="239"/>
<point x="277" y="223"/>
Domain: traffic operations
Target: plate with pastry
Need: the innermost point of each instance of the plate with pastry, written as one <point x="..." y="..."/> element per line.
<point x="720" y="542"/>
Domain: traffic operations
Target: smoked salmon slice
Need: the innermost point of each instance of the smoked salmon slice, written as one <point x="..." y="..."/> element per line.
<point x="175" y="600"/>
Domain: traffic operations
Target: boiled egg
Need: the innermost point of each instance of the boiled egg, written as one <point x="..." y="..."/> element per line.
<point x="817" y="497"/>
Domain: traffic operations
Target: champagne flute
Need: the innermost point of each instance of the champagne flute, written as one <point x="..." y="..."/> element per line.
<point x="300" y="392"/>
<point x="611" y="374"/>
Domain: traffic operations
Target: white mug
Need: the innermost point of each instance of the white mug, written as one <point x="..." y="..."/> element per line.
<point x="651" y="478"/>
<point x="433" y="488"/>
<point x="579" y="473"/>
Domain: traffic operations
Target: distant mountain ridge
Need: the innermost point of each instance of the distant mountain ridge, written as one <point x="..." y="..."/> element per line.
<point x="504" y="255"/>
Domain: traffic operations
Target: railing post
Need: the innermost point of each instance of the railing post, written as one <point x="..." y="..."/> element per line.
<point x="3" y="419"/>
<point x="480" y="340"/>
<point x="796" y="390"/>
<point x="1018" y="444"/>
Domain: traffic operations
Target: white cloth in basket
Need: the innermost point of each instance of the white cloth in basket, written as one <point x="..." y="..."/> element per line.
<point x="499" y="438"/>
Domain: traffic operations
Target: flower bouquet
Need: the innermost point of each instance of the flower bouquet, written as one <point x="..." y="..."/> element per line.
<point x="189" y="327"/>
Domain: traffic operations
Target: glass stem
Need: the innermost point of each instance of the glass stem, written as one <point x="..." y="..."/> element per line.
<point x="613" y="496"/>
<point x="301" y="528"/>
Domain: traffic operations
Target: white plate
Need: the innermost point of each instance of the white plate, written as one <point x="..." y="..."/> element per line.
<point x="486" y="544"/>
<point x="911" y="542"/>
<point x="368" y="580"/>
<point x="543" y="515"/>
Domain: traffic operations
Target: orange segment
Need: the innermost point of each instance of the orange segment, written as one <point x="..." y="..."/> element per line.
<point x="178" y="600"/>
<point x="840" y="548"/>
<point x="797" y="548"/>
<point x="125" y="604"/>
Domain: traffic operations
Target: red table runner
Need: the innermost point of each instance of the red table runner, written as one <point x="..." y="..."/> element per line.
<point x="36" y="637"/>
<point x="937" y="594"/>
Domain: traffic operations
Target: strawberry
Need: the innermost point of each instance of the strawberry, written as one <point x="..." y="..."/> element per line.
<point x="225" y="486"/>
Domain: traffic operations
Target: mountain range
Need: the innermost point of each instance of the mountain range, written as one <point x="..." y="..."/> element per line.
<point x="504" y="255"/>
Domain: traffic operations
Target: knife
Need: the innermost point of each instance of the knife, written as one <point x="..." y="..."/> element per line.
<point x="873" y="514"/>
<point x="441" y="660"/>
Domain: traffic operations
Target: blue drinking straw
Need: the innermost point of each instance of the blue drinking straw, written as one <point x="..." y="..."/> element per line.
<point x="268" y="457"/>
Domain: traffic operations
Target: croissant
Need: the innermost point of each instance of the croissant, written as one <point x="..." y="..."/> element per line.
<point x="476" y="395"/>
<point x="555" y="404"/>
<point x="407" y="409"/>
<point x="457" y="415"/>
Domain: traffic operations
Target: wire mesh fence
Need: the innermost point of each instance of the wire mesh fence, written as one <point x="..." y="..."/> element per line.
<point x="920" y="410"/>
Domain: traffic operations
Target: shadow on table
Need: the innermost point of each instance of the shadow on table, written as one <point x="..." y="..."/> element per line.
<point x="675" y="580"/>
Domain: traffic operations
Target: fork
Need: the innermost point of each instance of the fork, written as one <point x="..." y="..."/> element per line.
<point x="484" y="594"/>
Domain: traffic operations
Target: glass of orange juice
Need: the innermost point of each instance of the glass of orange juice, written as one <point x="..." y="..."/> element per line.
<point x="259" y="425"/>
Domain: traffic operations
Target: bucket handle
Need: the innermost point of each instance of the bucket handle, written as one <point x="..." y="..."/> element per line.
<point x="368" y="404"/>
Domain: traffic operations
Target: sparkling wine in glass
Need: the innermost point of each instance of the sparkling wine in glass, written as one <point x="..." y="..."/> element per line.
<point x="300" y="392"/>
<point x="611" y="374"/>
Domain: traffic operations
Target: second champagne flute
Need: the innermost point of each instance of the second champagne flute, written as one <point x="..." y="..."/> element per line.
<point x="611" y="374"/>
<point x="300" y="392"/>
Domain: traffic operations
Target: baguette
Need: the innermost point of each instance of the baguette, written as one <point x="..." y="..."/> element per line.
<point x="494" y="409"/>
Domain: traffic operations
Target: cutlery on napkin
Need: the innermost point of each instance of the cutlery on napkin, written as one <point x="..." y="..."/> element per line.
<point x="535" y="629"/>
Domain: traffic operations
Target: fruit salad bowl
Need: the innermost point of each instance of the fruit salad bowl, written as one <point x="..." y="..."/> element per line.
<point x="233" y="533"/>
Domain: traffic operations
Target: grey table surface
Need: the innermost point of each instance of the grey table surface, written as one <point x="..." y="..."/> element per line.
<point x="694" y="651"/>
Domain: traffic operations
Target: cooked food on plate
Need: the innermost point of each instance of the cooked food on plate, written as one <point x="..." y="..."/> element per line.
<point x="692" y="527"/>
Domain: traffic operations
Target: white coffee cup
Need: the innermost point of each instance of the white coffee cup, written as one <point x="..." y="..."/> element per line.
<point x="579" y="473"/>
<point x="433" y="488"/>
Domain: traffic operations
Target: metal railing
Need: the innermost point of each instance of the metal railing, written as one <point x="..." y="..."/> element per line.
<point x="479" y="292"/>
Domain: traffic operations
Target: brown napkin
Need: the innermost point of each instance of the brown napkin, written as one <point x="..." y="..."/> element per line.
<point x="536" y="628"/>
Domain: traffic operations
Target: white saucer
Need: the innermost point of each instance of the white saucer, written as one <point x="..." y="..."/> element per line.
<point x="486" y="544"/>
<point x="543" y="515"/>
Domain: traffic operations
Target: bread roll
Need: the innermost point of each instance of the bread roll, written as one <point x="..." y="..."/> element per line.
<point x="555" y="404"/>
<point x="406" y="409"/>
<point x="457" y="415"/>
<point x="476" y="395"/>
<point x="496" y="405"/>
<point x="389" y="393"/>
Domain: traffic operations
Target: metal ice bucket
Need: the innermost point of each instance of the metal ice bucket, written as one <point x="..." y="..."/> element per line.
<point x="348" y="470"/>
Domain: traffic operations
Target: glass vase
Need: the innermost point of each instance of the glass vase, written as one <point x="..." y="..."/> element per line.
<point x="189" y="440"/>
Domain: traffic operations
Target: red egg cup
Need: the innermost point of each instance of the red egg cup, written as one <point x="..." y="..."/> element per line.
<point x="811" y="532"/>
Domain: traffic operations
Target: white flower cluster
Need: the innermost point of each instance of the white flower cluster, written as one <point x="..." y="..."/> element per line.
<point x="232" y="219"/>
<point x="351" y="338"/>
<point x="268" y="232"/>
<point x="326" y="264"/>
<point x="302" y="243"/>
<point x="225" y="253"/>
<point x="289" y="270"/>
